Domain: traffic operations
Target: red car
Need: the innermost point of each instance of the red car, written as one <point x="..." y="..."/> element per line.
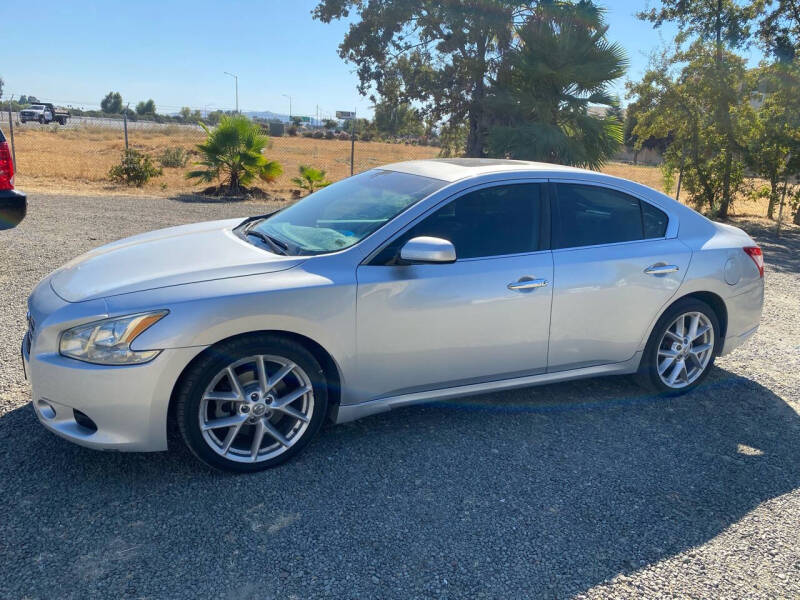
<point x="13" y="204"/>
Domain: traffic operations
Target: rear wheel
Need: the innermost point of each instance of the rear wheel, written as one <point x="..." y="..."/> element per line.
<point x="252" y="403"/>
<point x="681" y="349"/>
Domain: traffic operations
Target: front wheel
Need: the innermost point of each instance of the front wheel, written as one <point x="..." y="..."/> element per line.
<point x="681" y="349"/>
<point x="252" y="403"/>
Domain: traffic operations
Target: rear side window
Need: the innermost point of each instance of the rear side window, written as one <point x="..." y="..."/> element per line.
<point x="587" y="215"/>
<point x="494" y="221"/>
<point x="655" y="221"/>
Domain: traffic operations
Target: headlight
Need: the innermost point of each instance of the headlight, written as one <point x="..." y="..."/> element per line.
<point x="108" y="342"/>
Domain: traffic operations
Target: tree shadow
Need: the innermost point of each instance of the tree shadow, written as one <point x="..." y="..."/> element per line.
<point x="202" y="199"/>
<point x="544" y="492"/>
<point x="781" y="253"/>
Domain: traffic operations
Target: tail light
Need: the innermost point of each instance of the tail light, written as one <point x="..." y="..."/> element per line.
<point x="755" y="253"/>
<point x="6" y="168"/>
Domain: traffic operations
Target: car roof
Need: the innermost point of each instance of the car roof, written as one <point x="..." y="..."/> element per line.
<point x="453" y="169"/>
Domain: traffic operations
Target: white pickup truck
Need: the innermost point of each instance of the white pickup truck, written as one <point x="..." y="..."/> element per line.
<point x="44" y="112"/>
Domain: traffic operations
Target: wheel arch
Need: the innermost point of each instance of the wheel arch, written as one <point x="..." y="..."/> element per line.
<point x="329" y="367"/>
<point x="715" y="301"/>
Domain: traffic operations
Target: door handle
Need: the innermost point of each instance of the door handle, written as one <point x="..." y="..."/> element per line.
<point x="526" y="283"/>
<point x="661" y="269"/>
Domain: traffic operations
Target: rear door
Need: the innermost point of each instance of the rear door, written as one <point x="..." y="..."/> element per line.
<point x="616" y="262"/>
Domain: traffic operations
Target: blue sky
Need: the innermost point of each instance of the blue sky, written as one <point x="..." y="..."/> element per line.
<point x="176" y="51"/>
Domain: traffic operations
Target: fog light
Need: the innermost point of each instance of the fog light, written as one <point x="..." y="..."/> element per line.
<point x="46" y="409"/>
<point x="84" y="421"/>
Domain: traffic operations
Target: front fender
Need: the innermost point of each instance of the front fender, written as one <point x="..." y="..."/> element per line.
<point x="309" y="304"/>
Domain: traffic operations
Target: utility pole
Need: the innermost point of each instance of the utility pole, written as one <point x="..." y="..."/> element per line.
<point x="236" y="83"/>
<point x="290" y="105"/>
<point x="125" y="124"/>
<point x="11" y="132"/>
<point x="352" y="141"/>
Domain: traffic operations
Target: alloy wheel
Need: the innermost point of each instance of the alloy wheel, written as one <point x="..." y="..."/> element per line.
<point x="685" y="350"/>
<point x="256" y="408"/>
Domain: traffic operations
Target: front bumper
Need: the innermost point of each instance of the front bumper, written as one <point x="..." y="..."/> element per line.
<point x="127" y="405"/>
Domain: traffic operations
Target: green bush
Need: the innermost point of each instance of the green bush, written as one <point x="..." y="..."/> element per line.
<point x="308" y="133"/>
<point x="233" y="154"/>
<point x="135" y="169"/>
<point x="318" y="135"/>
<point x="174" y="158"/>
<point x="292" y="130"/>
<point x="310" y="179"/>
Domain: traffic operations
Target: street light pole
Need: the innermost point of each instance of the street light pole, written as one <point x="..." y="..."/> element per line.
<point x="290" y="105"/>
<point x="236" y="83"/>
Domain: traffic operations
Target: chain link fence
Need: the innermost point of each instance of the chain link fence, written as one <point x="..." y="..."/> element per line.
<point x="77" y="157"/>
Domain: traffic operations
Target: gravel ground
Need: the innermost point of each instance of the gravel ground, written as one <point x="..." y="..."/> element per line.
<point x="587" y="489"/>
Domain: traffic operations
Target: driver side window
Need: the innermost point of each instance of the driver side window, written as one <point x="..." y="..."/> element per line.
<point x="494" y="221"/>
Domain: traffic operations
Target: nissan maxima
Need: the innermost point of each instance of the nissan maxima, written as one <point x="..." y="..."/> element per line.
<point x="413" y="282"/>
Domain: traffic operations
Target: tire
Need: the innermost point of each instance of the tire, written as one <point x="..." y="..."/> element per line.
<point x="658" y="366"/>
<point x="41" y="120"/>
<point x="207" y="394"/>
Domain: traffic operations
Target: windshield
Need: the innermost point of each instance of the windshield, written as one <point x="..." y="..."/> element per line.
<point x="343" y="214"/>
<point x="37" y="107"/>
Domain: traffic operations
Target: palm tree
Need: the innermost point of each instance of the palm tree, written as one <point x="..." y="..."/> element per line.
<point x="232" y="153"/>
<point x="540" y="101"/>
<point x="310" y="179"/>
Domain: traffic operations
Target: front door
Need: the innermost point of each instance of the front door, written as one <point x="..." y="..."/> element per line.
<point x="429" y="326"/>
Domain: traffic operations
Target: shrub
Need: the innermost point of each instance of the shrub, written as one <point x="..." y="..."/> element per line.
<point x="329" y="135"/>
<point x="135" y="169"/>
<point x="292" y="130"/>
<point x="318" y="135"/>
<point x="232" y="153"/>
<point x="174" y="158"/>
<point x="310" y="178"/>
<point x="308" y="134"/>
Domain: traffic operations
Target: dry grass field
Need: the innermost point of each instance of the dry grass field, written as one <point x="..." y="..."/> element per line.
<point x="76" y="161"/>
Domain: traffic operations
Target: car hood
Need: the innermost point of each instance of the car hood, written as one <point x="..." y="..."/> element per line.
<point x="174" y="256"/>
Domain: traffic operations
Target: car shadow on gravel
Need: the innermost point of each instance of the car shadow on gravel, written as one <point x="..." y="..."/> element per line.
<point x="543" y="492"/>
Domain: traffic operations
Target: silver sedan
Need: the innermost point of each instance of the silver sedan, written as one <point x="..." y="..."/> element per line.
<point x="414" y="282"/>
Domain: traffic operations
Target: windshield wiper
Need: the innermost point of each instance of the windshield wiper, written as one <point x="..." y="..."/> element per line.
<point x="255" y="218"/>
<point x="277" y="246"/>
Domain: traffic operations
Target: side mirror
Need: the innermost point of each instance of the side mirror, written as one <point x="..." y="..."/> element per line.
<point x="13" y="207"/>
<point x="428" y="250"/>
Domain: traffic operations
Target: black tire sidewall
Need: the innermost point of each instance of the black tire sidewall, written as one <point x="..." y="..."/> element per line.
<point x="211" y="362"/>
<point x="649" y="367"/>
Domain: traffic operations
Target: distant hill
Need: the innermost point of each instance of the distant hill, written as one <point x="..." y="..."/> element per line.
<point x="268" y="115"/>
